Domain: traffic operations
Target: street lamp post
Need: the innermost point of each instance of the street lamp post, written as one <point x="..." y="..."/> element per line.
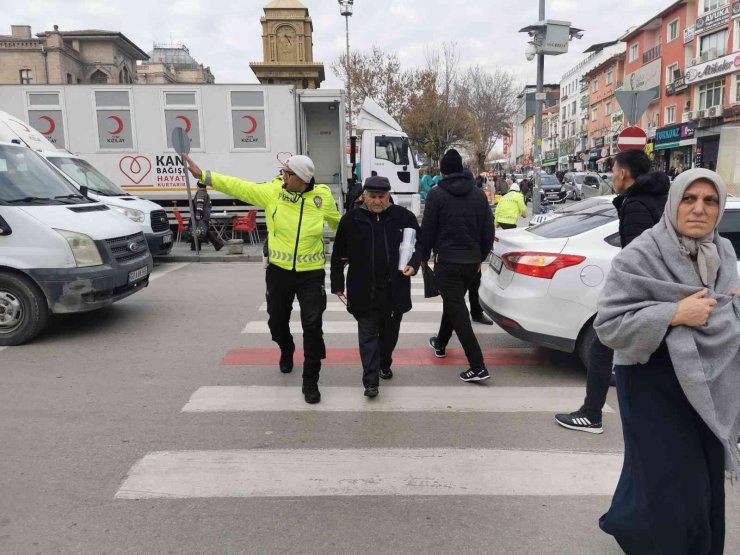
<point x="345" y="9"/>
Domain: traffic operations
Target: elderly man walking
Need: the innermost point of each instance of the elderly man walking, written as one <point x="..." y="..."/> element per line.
<point x="378" y="293"/>
<point x="458" y="227"/>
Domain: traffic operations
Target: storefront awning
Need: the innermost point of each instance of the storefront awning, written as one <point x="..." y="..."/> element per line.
<point x="676" y="144"/>
<point x="549" y="163"/>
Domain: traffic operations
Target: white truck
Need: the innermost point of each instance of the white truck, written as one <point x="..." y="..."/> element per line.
<point x="242" y="130"/>
<point x="59" y="251"/>
<point x="150" y="217"/>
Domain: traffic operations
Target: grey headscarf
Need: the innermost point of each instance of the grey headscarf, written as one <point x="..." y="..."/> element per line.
<point x="702" y="250"/>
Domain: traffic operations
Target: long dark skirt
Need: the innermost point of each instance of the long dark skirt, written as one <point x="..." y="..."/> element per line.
<point x="670" y="499"/>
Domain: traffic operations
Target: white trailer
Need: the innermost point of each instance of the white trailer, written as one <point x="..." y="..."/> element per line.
<point x="240" y="130"/>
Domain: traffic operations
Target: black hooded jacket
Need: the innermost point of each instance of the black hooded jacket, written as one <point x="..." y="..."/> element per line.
<point x="458" y="223"/>
<point x="362" y="239"/>
<point x="641" y="206"/>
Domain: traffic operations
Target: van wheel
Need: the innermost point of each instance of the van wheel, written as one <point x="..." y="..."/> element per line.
<point x="585" y="341"/>
<point x="23" y="310"/>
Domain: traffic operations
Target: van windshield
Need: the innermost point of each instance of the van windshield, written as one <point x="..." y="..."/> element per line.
<point x="26" y="179"/>
<point x="85" y="174"/>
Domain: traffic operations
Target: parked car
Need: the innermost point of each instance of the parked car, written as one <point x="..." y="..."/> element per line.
<point x="574" y="182"/>
<point x="539" y="218"/>
<point x="551" y="190"/>
<point x="544" y="281"/>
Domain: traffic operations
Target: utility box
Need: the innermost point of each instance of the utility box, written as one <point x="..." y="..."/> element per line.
<point x="557" y="36"/>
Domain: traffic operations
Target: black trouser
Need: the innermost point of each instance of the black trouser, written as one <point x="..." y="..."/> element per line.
<point x="378" y="334"/>
<point x="598" y="378"/>
<point x="282" y="288"/>
<point x="212" y="237"/>
<point x="453" y="281"/>
<point x="475" y="309"/>
<point x="507" y="226"/>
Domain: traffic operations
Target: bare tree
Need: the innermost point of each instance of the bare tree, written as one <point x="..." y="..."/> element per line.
<point x="491" y="101"/>
<point x="436" y="121"/>
<point x="378" y="75"/>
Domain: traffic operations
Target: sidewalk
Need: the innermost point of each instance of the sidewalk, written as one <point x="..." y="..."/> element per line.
<point x="182" y="253"/>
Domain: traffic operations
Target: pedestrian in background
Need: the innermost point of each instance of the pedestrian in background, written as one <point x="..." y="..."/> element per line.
<point x="641" y="198"/>
<point x="670" y="309"/>
<point x="378" y="293"/>
<point x="510" y="208"/>
<point x="296" y="210"/>
<point x="458" y="227"/>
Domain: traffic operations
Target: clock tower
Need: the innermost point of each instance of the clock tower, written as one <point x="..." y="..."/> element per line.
<point x="287" y="45"/>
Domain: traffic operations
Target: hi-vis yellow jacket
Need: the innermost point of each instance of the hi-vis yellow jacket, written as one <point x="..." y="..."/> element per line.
<point x="295" y="221"/>
<point x="509" y="208"/>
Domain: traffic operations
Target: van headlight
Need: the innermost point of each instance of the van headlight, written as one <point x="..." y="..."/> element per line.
<point x="131" y="213"/>
<point x="84" y="249"/>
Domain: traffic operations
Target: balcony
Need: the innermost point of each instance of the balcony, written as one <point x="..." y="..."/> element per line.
<point x="652" y="54"/>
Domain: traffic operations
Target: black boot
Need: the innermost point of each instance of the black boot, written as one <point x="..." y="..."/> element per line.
<point x="311" y="394"/>
<point x="286" y="361"/>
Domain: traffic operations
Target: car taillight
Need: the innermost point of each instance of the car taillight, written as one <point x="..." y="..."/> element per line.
<point x="539" y="264"/>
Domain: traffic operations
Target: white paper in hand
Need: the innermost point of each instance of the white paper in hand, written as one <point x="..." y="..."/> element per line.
<point x="406" y="250"/>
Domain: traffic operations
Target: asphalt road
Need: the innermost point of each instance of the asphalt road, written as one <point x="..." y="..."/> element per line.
<point x="126" y="431"/>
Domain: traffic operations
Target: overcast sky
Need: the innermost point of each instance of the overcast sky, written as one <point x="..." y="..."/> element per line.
<point x="226" y="34"/>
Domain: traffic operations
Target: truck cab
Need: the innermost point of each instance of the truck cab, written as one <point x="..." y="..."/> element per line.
<point x="149" y="217"/>
<point x="385" y="150"/>
<point x="60" y="252"/>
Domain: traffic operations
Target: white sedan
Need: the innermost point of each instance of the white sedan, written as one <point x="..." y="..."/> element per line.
<point x="544" y="281"/>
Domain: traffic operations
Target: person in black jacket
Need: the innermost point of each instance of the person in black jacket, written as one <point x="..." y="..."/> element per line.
<point x="378" y="293"/>
<point x="641" y="197"/>
<point x="202" y="224"/>
<point x="458" y="226"/>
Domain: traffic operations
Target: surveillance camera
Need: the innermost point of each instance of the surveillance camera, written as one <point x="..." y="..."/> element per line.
<point x="530" y="51"/>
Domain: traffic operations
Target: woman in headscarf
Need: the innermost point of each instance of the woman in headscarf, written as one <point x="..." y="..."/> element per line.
<point x="671" y="312"/>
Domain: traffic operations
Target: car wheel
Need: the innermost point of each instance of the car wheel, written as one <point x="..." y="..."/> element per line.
<point x="586" y="339"/>
<point x="23" y="310"/>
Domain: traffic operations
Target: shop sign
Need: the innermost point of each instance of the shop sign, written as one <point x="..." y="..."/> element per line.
<point x="712" y="20"/>
<point x="713" y="69"/>
<point x="645" y="78"/>
<point x="598" y="143"/>
<point x="550" y="156"/>
<point x="688" y="33"/>
<point x="584" y="102"/>
<point x="674" y="134"/>
<point x="677" y="86"/>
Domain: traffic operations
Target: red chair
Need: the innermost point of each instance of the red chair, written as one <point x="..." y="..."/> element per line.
<point x="182" y="224"/>
<point x="246" y="223"/>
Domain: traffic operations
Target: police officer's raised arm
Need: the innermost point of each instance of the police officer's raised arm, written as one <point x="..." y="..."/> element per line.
<point x="257" y="194"/>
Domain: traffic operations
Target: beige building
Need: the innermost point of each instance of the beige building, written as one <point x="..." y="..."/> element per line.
<point x="287" y="45"/>
<point x="172" y="63"/>
<point x="58" y="57"/>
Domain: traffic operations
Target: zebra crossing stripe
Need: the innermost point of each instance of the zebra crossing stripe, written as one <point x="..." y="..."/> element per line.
<point x="361" y="472"/>
<point x="340" y="307"/>
<point x="254" y="398"/>
<point x="347" y="327"/>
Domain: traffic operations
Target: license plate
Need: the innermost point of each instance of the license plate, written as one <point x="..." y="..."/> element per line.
<point x="496" y="263"/>
<point x="136" y="275"/>
<point x="552" y="195"/>
<point x="167" y="239"/>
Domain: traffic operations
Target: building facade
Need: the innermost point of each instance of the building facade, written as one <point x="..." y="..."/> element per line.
<point x="172" y="63"/>
<point x="287" y="45"/>
<point x="67" y="57"/>
<point x="605" y="116"/>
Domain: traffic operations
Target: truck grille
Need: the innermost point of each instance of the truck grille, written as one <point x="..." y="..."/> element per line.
<point x="130" y="247"/>
<point x="160" y="222"/>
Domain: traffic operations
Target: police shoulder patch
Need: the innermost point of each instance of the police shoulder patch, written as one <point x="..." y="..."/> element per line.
<point x="317" y="200"/>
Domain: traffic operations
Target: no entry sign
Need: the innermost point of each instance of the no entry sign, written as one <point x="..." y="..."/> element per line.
<point x="631" y="137"/>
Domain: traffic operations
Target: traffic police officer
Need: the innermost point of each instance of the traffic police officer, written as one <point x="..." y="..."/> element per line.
<point x="296" y="209"/>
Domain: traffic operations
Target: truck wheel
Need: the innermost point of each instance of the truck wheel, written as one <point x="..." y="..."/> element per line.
<point x="23" y="310"/>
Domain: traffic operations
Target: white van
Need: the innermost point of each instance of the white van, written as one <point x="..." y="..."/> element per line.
<point x="59" y="251"/>
<point x="150" y="217"/>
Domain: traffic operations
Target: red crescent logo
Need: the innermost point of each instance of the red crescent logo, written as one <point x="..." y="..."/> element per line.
<point x="119" y="122"/>
<point x="254" y="125"/>
<point x="52" y="125"/>
<point x="187" y="123"/>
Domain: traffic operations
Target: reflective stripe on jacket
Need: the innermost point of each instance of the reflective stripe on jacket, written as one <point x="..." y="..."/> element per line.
<point x="509" y="208"/>
<point x="295" y="221"/>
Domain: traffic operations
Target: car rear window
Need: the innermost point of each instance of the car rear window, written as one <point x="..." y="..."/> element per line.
<point x="575" y="223"/>
<point x="729" y="228"/>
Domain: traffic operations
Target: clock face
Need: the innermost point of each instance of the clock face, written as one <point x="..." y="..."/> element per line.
<point x="286" y="37"/>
